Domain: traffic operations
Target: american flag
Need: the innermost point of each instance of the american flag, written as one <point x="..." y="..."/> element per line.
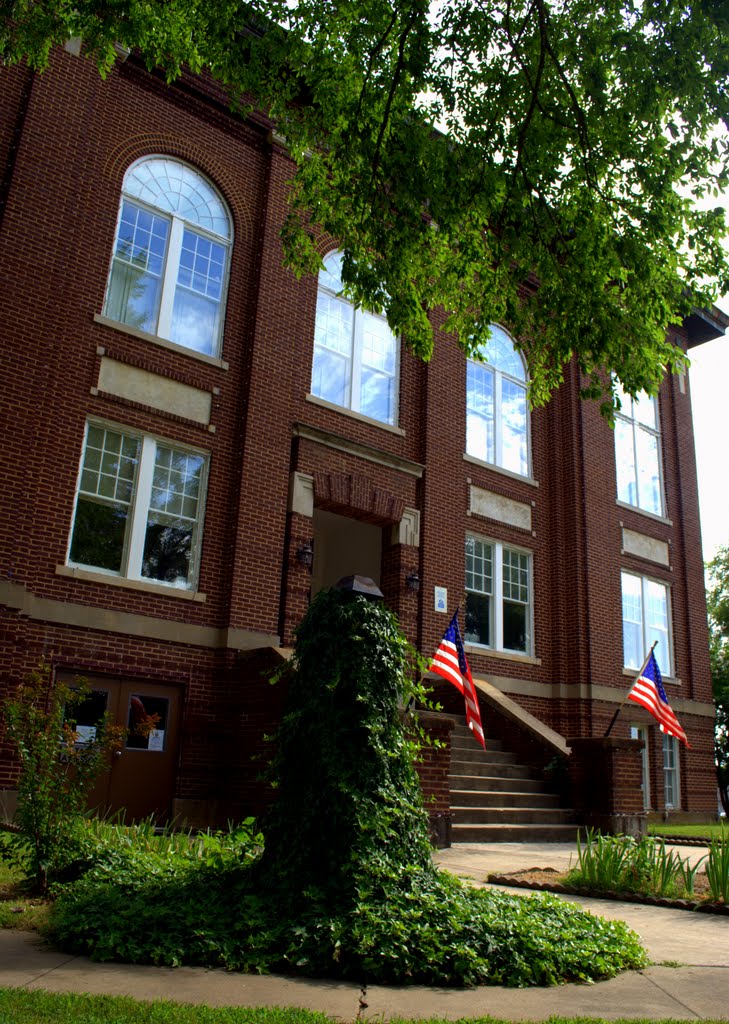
<point x="450" y="663"/>
<point x="648" y="691"/>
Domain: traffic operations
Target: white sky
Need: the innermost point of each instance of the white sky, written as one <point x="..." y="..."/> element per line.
<point x="709" y="377"/>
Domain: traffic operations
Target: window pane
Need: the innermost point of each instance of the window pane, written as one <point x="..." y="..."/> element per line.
<point x="479" y="566"/>
<point x="379" y="345"/>
<point x="84" y="718"/>
<point x="195" y="322"/>
<point x="649" y="481"/>
<point x="499" y="352"/>
<point x="99" y="531"/>
<point x="167" y="550"/>
<point x="637" y="454"/>
<point x="330" y="377"/>
<point x="170" y="185"/>
<point x="645" y="411"/>
<point x="135" y="284"/>
<point x="334" y="324"/>
<point x="330" y="276"/>
<point x="670" y="772"/>
<point x="515" y="581"/>
<point x="172" y="516"/>
<point x="478" y="619"/>
<point x="377" y="394"/>
<point x="147" y="722"/>
<point x="656" y="623"/>
<point x="513" y="427"/>
<point x="633" y="653"/>
<point x="480" y="411"/>
<point x="515" y="621"/>
<point x="625" y="462"/>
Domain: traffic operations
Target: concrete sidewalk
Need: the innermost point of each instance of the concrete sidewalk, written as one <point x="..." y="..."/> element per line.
<point x="697" y="990"/>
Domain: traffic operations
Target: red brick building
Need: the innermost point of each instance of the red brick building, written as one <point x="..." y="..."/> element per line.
<point x="185" y="425"/>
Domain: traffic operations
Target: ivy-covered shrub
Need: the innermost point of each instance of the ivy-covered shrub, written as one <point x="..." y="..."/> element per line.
<point x="345" y="886"/>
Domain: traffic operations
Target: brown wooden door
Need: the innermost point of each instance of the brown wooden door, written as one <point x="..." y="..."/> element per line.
<point x="141" y="777"/>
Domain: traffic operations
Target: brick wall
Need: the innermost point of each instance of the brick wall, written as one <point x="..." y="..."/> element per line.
<point x="66" y="141"/>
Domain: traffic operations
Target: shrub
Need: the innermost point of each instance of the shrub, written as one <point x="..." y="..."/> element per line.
<point x="56" y="768"/>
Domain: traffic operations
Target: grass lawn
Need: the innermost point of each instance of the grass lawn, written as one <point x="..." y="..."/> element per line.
<point x="17" y="909"/>
<point x="711" y="830"/>
<point x="17" y="1006"/>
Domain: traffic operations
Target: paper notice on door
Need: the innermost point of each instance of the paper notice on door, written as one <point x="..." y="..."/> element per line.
<point x="86" y="733"/>
<point x="156" y="739"/>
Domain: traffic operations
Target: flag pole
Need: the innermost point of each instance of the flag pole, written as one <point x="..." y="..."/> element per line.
<point x="640" y="673"/>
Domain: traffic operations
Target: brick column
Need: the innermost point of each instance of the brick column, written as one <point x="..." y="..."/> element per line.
<point x="605" y="776"/>
<point x="433" y="769"/>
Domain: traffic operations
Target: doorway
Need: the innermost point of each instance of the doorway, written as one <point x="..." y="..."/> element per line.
<point x="344" y="547"/>
<point x="141" y="777"/>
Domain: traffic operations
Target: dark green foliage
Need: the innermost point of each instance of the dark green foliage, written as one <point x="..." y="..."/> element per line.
<point x="349" y="803"/>
<point x="456" y="149"/>
<point x="346" y="886"/>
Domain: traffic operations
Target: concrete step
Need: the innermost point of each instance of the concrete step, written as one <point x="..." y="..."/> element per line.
<point x="465" y="741"/>
<point x="513" y="833"/>
<point x="510" y="770"/>
<point x="475" y="754"/>
<point x="510" y="815"/>
<point x="496" y="784"/>
<point x="489" y="798"/>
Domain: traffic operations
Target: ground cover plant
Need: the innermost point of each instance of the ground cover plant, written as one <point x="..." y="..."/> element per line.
<point x="345" y="885"/>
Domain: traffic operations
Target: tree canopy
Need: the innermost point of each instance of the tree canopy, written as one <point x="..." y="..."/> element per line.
<point x="463" y="153"/>
<point x="717" y="600"/>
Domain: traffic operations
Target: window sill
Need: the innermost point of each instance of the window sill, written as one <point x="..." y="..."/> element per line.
<point x="499" y="469"/>
<point x="121" y="581"/>
<point x="488" y="652"/>
<point x="354" y="415"/>
<point x="172" y="346"/>
<point x="671" y="680"/>
<point x="644" y="512"/>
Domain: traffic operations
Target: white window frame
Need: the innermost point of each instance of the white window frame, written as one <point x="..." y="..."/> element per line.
<point x="499" y="376"/>
<point x="671" y="772"/>
<point x="172" y="258"/>
<point x="636" y="428"/>
<point x="139" y="506"/>
<point x="497" y="597"/>
<point x="354" y="376"/>
<point x="648" y="630"/>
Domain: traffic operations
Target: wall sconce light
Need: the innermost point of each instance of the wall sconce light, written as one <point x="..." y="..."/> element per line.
<point x="305" y="555"/>
<point x="413" y="581"/>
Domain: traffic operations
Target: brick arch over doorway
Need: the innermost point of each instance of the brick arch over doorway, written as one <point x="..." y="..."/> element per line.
<point x="356" y="495"/>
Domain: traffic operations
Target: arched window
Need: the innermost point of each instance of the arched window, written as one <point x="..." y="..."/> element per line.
<point x="497" y="423"/>
<point x="170" y="263"/>
<point x="355" y="353"/>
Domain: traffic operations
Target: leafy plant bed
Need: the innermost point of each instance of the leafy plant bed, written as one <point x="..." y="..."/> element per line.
<point x="550" y="880"/>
